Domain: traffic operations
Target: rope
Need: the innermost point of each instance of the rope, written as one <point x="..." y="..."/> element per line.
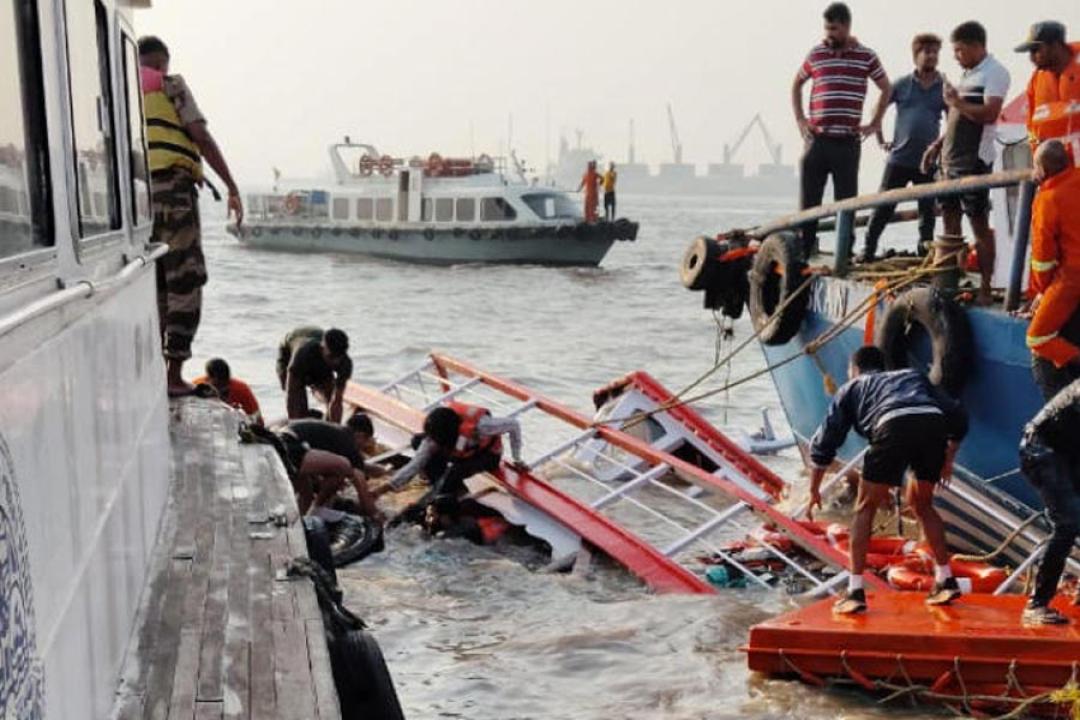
<point x="1004" y="543"/>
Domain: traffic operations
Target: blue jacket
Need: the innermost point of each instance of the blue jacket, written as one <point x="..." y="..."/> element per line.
<point x="864" y="401"/>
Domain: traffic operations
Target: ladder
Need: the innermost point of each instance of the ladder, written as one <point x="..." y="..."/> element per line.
<point x="653" y="519"/>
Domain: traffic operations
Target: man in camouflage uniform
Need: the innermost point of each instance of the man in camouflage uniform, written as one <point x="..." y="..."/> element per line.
<point x="178" y="141"/>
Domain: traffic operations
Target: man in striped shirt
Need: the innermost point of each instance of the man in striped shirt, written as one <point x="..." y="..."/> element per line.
<point x="840" y="68"/>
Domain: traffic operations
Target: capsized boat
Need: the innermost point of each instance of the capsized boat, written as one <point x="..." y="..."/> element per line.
<point x="436" y="211"/>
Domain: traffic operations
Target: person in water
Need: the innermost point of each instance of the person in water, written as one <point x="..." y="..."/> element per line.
<point x="178" y="139"/>
<point x="910" y="424"/>
<point x="590" y="183"/>
<point x="311" y="358"/>
<point x="1055" y="260"/>
<point x="326" y="456"/>
<point x="608" y="181"/>
<point x="458" y="441"/>
<point x="968" y="147"/>
<point x="233" y="392"/>
<point x="1050" y="461"/>
<point x="920" y="104"/>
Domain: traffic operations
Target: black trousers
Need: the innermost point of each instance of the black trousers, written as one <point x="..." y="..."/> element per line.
<point x="898" y="176"/>
<point x="609" y="206"/>
<point x="1056" y="476"/>
<point x="448" y="476"/>
<point x="825" y="157"/>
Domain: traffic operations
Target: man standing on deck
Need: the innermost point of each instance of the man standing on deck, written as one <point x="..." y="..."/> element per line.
<point x="1053" y="93"/>
<point x="909" y="423"/>
<point x="590" y="182"/>
<point x="920" y="104"/>
<point x="1055" y="257"/>
<point x="840" y="67"/>
<point x="967" y="148"/>
<point x="1050" y="461"/>
<point x="608" y="181"/>
<point x="309" y="357"/>
<point x="178" y="139"/>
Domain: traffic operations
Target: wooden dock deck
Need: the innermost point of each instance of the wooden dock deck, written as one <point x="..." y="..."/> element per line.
<point x="220" y="635"/>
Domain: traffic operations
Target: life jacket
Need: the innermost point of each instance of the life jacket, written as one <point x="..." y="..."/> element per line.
<point x="469" y="442"/>
<point x="169" y="143"/>
<point x="1054" y="105"/>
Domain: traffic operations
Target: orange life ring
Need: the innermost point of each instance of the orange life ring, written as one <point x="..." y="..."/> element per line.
<point x="916" y="572"/>
<point x="367" y="164"/>
<point x="837" y="533"/>
<point x="883" y="551"/>
<point x="292" y="203"/>
<point x="386" y="165"/>
<point x="779" y="541"/>
<point x="435" y="165"/>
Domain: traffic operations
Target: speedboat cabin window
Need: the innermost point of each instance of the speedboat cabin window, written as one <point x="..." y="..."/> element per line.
<point x="365" y="208"/>
<point x="25" y="210"/>
<point x="140" y="185"/>
<point x="495" y="209"/>
<point x="426" y="209"/>
<point x="384" y="209"/>
<point x="444" y="209"/>
<point x="341" y="208"/>
<point x="466" y="209"/>
<point x="550" y="206"/>
<point x="92" y="117"/>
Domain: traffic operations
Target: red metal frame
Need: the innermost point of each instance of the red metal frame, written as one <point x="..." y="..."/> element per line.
<point x="653" y="567"/>
<point x="816" y="545"/>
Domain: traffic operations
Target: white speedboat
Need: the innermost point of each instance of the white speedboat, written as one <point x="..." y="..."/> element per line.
<point x="438" y="211"/>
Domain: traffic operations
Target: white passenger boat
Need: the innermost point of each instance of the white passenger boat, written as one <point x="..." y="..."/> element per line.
<point x="437" y="211"/>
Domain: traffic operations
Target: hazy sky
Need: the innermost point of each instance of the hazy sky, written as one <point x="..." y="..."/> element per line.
<point x="280" y="80"/>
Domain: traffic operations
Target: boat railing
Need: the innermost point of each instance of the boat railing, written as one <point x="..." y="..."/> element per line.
<point x="843" y="215"/>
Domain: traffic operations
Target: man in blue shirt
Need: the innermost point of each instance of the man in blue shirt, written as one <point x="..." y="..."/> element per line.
<point x="910" y="424"/>
<point x="920" y="105"/>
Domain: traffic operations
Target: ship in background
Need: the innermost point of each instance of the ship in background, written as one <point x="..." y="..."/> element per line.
<point x="677" y="177"/>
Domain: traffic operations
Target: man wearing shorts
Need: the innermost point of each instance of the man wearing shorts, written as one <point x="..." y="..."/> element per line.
<point x="910" y="424"/>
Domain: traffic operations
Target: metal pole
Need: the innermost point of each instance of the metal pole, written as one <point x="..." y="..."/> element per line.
<point x="1021" y="234"/>
<point x="845" y="241"/>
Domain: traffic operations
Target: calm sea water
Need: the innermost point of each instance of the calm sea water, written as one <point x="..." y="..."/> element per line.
<point x="473" y="633"/>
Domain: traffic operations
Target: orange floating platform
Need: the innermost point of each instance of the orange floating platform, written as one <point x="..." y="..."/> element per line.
<point x="972" y="652"/>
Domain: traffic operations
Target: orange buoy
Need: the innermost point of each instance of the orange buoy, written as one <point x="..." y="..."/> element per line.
<point x="435" y="165"/>
<point x="386" y="165"/>
<point x="882" y="551"/>
<point x="491" y="528"/>
<point x="292" y="203"/>
<point x="367" y="164"/>
<point x="916" y="572"/>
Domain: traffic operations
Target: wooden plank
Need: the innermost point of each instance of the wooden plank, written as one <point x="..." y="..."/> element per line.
<point x="326" y="699"/>
<point x="211" y="678"/>
<point x="182" y="701"/>
<point x="263" y="699"/>
<point x="209" y="710"/>
<point x="237" y="700"/>
<point x="292" y="671"/>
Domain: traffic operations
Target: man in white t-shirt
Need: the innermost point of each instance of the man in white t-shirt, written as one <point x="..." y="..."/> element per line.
<point x="967" y="148"/>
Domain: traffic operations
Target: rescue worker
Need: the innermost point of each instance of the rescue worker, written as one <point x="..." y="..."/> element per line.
<point x="1055" y="254"/>
<point x="178" y="139"/>
<point x="910" y="424"/>
<point x="459" y="441"/>
<point x="1050" y="460"/>
<point x="309" y="357"/>
<point x="608" y="181"/>
<point x="1053" y="93"/>
<point x="590" y="183"/>
<point x="233" y="392"/>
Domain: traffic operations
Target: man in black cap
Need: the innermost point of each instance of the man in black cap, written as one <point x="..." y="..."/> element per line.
<point x="1054" y="85"/>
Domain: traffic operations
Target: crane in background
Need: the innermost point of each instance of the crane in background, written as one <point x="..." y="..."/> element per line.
<point x="774" y="148"/>
<point x="676" y="145"/>
<point x="630" y="154"/>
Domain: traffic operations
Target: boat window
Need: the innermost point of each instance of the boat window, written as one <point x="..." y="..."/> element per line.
<point x="384" y="209"/>
<point x="466" y="209"/>
<point x="444" y="209"/>
<point x="25" y="212"/>
<point x="425" y="209"/>
<point x="92" y="115"/>
<point x="365" y="208"/>
<point x="341" y="208"/>
<point x="550" y="206"/>
<point x="140" y="186"/>
<point x="495" y="209"/>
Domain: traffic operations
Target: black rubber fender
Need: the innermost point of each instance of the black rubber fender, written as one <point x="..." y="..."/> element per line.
<point x="700" y="266"/>
<point x="944" y="322"/>
<point x="475" y="234"/>
<point x="778" y="272"/>
<point x="318" y="544"/>
<point x="353" y="538"/>
<point x="393" y="234"/>
<point x="256" y="231"/>
<point x="564" y="231"/>
<point x="365" y="688"/>
<point x="429" y="234"/>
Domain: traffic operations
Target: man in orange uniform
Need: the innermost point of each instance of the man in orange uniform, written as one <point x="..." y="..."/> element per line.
<point x="1055" y="253"/>
<point x="233" y="392"/>
<point x="590" y="183"/>
<point x="1053" y="93"/>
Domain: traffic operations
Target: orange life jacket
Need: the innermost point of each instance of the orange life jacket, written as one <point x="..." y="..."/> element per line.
<point x="1054" y="105"/>
<point x="470" y="442"/>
